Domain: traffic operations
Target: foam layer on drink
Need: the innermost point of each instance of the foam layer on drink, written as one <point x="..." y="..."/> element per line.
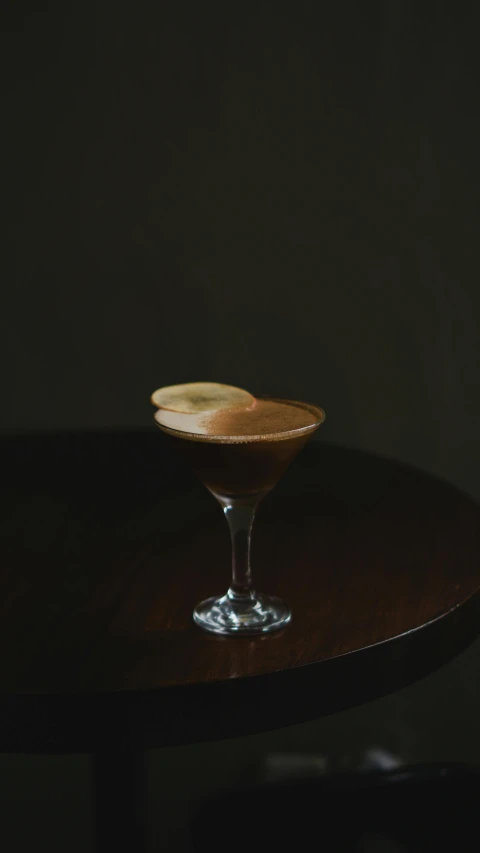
<point x="270" y="420"/>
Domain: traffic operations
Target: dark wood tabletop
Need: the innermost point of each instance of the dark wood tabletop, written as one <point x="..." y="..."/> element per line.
<point x="108" y="541"/>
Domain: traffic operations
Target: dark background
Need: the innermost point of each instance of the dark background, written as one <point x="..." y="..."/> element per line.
<point x="278" y="195"/>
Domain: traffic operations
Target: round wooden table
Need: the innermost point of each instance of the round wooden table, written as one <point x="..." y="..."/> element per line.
<point x="107" y="542"/>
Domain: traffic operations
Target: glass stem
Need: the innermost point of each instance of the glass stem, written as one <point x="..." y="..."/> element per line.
<point x="240" y="519"/>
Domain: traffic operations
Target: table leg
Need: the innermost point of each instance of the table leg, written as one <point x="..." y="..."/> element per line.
<point x="119" y="796"/>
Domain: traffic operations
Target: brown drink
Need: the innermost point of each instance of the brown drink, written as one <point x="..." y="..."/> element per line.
<point x="243" y="453"/>
<point x="239" y="446"/>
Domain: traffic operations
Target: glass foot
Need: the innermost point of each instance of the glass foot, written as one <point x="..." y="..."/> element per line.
<point x="227" y="615"/>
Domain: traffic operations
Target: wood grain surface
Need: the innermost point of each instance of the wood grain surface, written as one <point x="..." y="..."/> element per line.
<point x="108" y="541"/>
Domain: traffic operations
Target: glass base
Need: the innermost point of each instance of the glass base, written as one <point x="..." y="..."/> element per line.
<point x="230" y="615"/>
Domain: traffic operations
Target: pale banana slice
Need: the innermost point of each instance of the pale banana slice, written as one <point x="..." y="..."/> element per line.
<point x="195" y="397"/>
<point x="197" y="424"/>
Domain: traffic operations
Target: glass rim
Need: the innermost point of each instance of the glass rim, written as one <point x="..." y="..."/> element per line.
<point x="249" y="439"/>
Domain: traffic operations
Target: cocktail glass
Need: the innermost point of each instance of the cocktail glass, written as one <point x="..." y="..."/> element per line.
<point x="239" y="471"/>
